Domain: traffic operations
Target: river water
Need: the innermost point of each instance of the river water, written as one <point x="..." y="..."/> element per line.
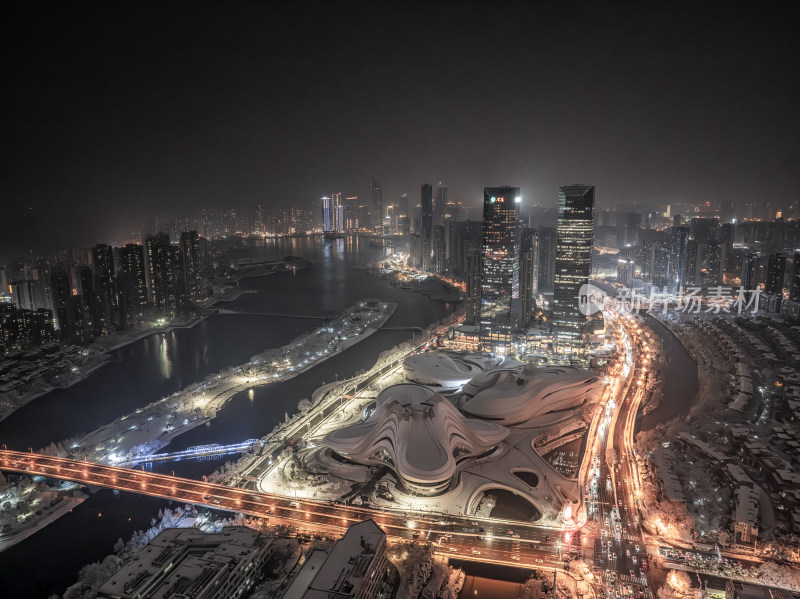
<point x="151" y="368"/>
<point x="681" y="385"/>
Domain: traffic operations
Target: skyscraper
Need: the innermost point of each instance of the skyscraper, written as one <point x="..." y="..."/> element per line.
<point x="776" y="270"/>
<point x="132" y="284"/>
<point x="61" y="287"/>
<point x="426" y="232"/>
<point x="440" y="204"/>
<point x="677" y="259"/>
<point x="327" y="214"/>
<point x="190" y="265"/>
<point x="473" y="286"/>
<point x="104" y="277"/>
<point x="499" y="309"/>
<point x="376" y="195"/>
<point x="574" y="244"/>
<point x="163" y="268"/>
<point x="794" y="290"/>
<point x="547" y="259"/>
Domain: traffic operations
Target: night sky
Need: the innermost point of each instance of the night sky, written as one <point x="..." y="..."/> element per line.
<point x="115" y="111"/>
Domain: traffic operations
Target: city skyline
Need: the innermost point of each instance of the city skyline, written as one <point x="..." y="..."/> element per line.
<point x="137" y="125"/>
<point x="382" y="300"/>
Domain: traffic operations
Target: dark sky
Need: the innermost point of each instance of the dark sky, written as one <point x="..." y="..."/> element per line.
<point x="118" y="110"/>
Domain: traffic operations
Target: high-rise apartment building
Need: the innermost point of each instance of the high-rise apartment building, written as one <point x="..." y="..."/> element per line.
<point x="61" y="287"/>
<point x="794" y="290"/>
<point x="190" y="265"/>
<point x="163" y="266"/>
<point x="132" y="284"/>
<point x="499" y="309"/>
<point x="574" y="244"/>
<point x="677" y="259"/>
<point x="776" y="271"/>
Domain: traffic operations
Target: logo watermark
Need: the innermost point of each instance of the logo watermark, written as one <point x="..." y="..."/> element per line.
<point x="686" y="301"/>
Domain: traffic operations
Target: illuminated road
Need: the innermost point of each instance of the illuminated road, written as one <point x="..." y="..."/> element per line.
<point x="487" y="540"/>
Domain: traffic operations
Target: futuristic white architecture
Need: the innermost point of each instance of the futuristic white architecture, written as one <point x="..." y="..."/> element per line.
<point x="511" y="397"/>
<point x="448" y="371"/>
<point x="420" y="435"/>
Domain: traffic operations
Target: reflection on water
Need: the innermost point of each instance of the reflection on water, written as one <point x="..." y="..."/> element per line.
<point x="164" y="363"/>
<point x="159" y="365"/>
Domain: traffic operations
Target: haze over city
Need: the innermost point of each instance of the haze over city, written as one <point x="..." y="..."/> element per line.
<point x="130" y="110"/>
<point x="399" y="301"/>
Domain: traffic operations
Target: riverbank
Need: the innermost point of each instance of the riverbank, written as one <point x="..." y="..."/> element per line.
<point x="99" y="353"/>
<point x="49" y="513"/>
<point x="151" y="428"/>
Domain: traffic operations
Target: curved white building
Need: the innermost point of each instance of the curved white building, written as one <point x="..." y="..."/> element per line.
<point x="420" y="435"/>
<point x="514" y="396"/>
<point x="438" y="369"/>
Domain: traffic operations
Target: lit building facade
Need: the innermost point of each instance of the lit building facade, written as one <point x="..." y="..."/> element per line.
<point x="574" y="244"/>
<point x="499" y="288"/>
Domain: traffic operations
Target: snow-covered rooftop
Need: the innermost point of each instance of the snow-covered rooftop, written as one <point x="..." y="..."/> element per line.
<point x="515" y="396"/>
<point x="417" y="433"/>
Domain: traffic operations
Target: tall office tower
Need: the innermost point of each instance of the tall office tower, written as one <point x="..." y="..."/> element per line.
<point x="456" y="250"/>
<point x="403" y="205"/>
<point x="415" y="250"/>
<point x="440" y="204"/>
<point x="694" y="259"/>
<point x="327" y="214"/>
<point x="351" y="213"/>
<point x="104" y="277"/>
<point x="190" y="265"/>
<point x="439" y="247"/>
<point x="473" y="286"/>
<point x="547" y="259"/>
<point x="61" y="287"/>
<point x="499" y="313"/>
<point x="776" y="271"/>
<point x="677" y="258"/>
<point x="713" y="262"/>
<point x="426" y="229"/>
<point x="132" y="284"/>
<point x="794" y="290"/>
<point x="337" y="213"/>
<point x="163" y="267"/>
<point x="574" y="244"/>
<point x="376" y="206"/>
<point x="528" y="275"/>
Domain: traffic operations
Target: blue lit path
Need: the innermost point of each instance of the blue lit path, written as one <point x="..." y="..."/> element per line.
<point x="198" y="451"/>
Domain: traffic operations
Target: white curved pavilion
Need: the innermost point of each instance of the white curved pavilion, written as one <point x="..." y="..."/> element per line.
<point x="511" y="397"/>
<point x="438" y="369"/>
<point x="420" y="435"/>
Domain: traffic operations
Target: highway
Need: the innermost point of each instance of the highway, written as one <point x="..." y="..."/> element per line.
<point x="489" y="540"/>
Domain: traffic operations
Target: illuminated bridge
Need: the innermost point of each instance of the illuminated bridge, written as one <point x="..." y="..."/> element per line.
<point x="525" y="545"/>
<point x="198" y="451"/>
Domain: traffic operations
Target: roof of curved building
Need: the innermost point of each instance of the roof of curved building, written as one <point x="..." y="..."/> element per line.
<point x="515" y="396"/>
<point x="417" y="433"/>
<point x="445" y="370"/>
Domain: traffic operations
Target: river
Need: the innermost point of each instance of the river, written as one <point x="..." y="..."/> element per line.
<point x="681" y="384"/>
<point x="158" y="365"/>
